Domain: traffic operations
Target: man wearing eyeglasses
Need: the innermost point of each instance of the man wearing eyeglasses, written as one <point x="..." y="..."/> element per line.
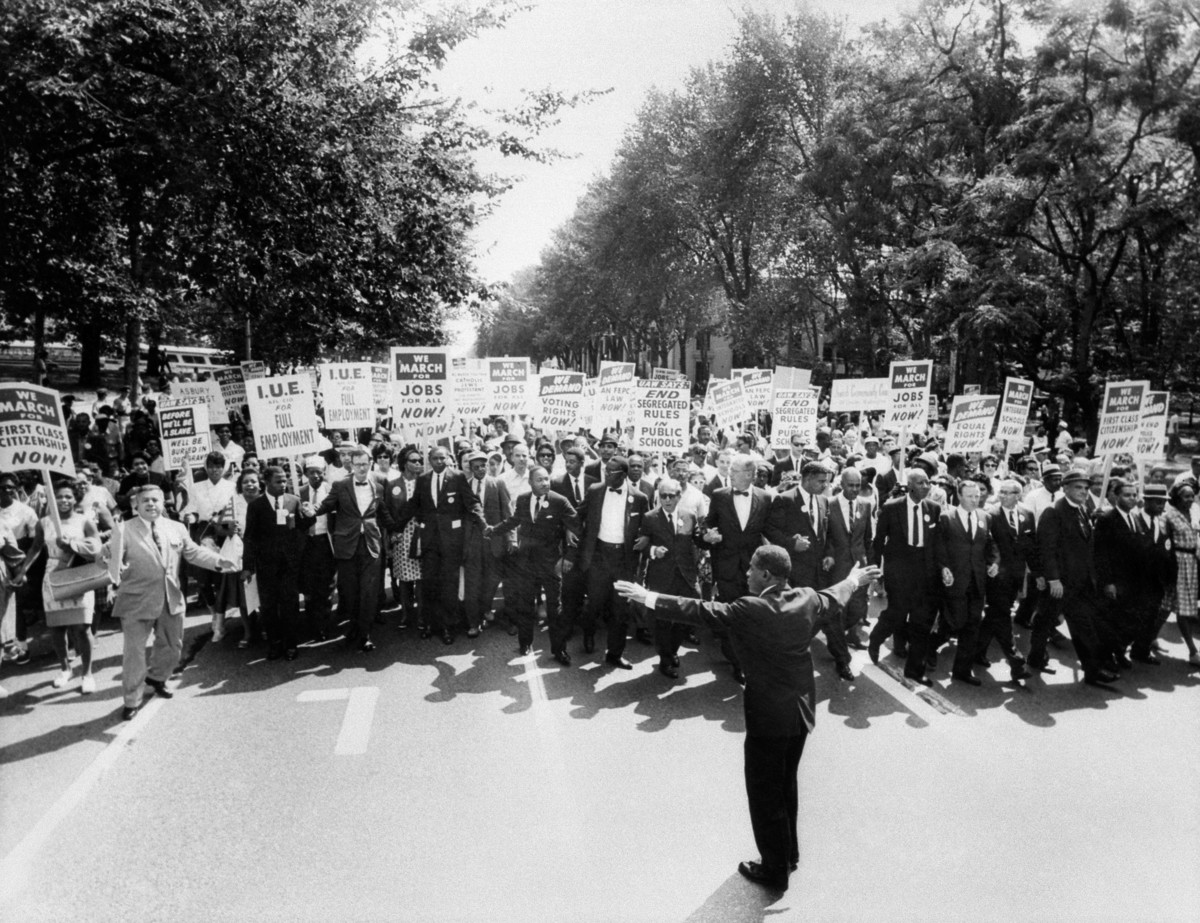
<point x="670" y="567"/>
<point x="1013" y="532"/>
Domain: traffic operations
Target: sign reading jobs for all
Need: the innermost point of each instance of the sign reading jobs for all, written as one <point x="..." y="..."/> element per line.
<point x="510" y="384"/>
<point x="661" y="413"/>
<point x="421" y="403"/>
<point x="33" y="432"/>
<point x="283" y="415"/>
<point x="1121" y="416"/>
<point x="186" y="440"/>
<point x="970" y="427"/>
<point x="348" y="394"/>
<point x="909" y="387"/>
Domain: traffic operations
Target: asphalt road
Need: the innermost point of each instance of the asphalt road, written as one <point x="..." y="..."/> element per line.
<point x="426" y="783"/>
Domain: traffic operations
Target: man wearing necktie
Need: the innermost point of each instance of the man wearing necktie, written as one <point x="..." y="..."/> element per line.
<point x="1013" y="532"/>
<point x="848" y="537"/>
<point x="573" y="484"/>
<point x="150" y="596"/>
<point x="442" y="502"/>
<point x="670" y="567"/>
<point x="1125" y="563"/>
<point x="966" y="557"/>
<point x="483" y="556"/>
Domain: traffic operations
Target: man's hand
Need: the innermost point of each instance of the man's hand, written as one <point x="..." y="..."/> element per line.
<point x="307" y="510"/>
<point x="642" y="543"/>
<point x="190" y="518"/>
<point x="1040" y="583"/>
<point x="712" y="536"/>
<point x="487" y="531"/>
<point x="658" y="551"/>
<point x="993" y="569"/>
<point x="1110" y="590"/>
<point x="631" y="591"/>
<point x="864" y="575"/>
<point x="801" y="544"/>
<point x="247" y="575"/>
<point x="947" y="577"/>
<point x="567" y="566"/>
<point x="827" y="564"/>
<point x="1056" y="589"/>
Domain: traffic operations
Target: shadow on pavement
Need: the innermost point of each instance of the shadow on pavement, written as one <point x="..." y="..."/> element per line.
<point x="738" y="901"/>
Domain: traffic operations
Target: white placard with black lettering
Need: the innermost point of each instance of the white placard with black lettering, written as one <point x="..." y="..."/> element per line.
<point x="909" y="385"/>
<point x="861" y="395"/>
<point x="560" y="395"/>
<point x="661" y="410"/>
<point x="970" y="427"/>
<point x="1121" y="417"/>
<point x="794" y="414"/>
<point x="348" y="395"/>
<point x="283" y="416"/>
<point x="421" y="393"/>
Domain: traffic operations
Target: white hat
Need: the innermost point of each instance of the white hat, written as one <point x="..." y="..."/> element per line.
<point x="315" y="462"/>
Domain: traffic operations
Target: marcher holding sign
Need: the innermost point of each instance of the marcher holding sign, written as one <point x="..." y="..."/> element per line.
<point x="511" y="385"/>
<point x="861" y="395"/>
<point x="185" y="436"/>
<point x="729" y="402"/>
<point x="559" y="397"/>
<point x="614" y="396"/>
<point x="421" y="398"/>
<point x="33" y="433"/>
<point x="794" y="413"/>
<point x="1014" y="409"/>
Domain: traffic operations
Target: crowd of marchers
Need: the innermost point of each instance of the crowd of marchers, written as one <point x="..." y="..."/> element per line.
<point x="508" y="528"/>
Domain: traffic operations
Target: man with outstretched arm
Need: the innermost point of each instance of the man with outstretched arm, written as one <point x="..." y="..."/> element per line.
<point x="771" y="629"/>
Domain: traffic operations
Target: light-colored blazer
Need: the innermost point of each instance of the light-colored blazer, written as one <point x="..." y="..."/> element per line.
<point x="150" y="578"/>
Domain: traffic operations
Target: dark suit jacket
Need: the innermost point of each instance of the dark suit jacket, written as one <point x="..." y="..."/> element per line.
<point x="443" y="527"/>
<point x="265" y="541"/>
<point x="1163" y="566"/>
<point x="907" y="570"/>
<point x="1065" y="548"/>
<point x="1018" y="550"/>
<point x="848" y="544"/>
<point x="885" y="483"/>
<point x="788" y="518"/>
<point x="349" y="524"/>
<point x="771" y="634"/>
<point x="547" y="536"/>
<point x="679" y="563"/>
<point x="731" y="556"/>
<point x="636" y="507"/>
<point x="494" y="502"/>
<point x="1123" y="557"/>
<point x="780" y="468"/>
<point x="713" y="485"/>
<point x="562" y="486"/>
<point x="967" y="558"/>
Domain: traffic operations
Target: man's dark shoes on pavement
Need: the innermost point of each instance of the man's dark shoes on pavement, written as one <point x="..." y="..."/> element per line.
<point x="160" y="688"/>
<point x="762" y="875"/>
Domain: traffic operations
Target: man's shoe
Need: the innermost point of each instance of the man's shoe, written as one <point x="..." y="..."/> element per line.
<point x="160" y="688"/>
<point x="873" y="651"/>
<point x="738" y="676"/>
<point x="668" y="671"/>
<point x="966" y="678"/>
<point x="1123" y="662"/>
<point x="1100" y="678"/>
<point x="291" y="654"/>
<point x="761" y="875"/>
<point x="619" y="662"/>
<point x="447" y="637"/>
<point x="367" y="646"/>
<point x="1147" y="659"/>
<point x="589" y="642"/>
<point x="982" y="661"/>
<point x="563" y="657"/>
<point x="644" y="636"/>
<point x="1040" y="664"/>
<point x="931" y="660"/>
<point x="511" y="629"/>
<point x="844" y="671"/>
<point x="524" y="649"/>
<point x="920" y="679"/>
<point x="274" y="653"/>
<point x="472" y="632"/>
<point x="129" y="712"/>
<point x="675" y="661"/>
<point x="855" y="642"/>
<point x="1017" y="672"/>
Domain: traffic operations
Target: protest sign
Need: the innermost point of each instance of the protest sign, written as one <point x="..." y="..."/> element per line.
<point x="587" y="405"/>
<point x="189" y="393"/>
<point x="348" y="395"/>
<point x="972" y="389"/>
<point x="657" y="372"/>
<point x="233" y="389"/>
<point x="33" y="431"/>
<point x="186" y="440"/>
<point x="1120" y="417"/>
<point x="794" y="413"/>
<point x="848" y="395"/>
<point x="614" y="395"/>
<point x="1153" y="430"/>
<point x="970" y="427"/>
<point x="789" y="379"/>
<point x="283" y="416"/>
<point x="471" y="389"/>
<point x="757" y="386"/>
<point x="559" y="397"/>
<point x="1014" y="409"/>
<point x="253" y="369"/>
<point x="421" y="398"/>
<point x="909" y="386"/>
<point x="510" y="382"/>
<point x="729" y="402"/>
<point x="661" y="411"/>
<point x="379" y="384"/>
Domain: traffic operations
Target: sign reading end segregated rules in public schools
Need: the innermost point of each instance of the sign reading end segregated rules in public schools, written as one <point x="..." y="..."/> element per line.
<point x="33" y="432"/>
<point x="661" y="410"/>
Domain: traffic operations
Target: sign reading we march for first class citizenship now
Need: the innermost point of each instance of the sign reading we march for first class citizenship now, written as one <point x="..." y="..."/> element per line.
<point x="33" y="433"/>
<point x="1120" y="416"/>
<point x="283" y="416"/>
<point x="909" y="385"/>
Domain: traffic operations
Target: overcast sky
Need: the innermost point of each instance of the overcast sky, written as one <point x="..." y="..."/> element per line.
<point x="626" y="45"/>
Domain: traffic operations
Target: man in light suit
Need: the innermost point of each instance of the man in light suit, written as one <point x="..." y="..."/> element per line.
<point x="274" y="538"/>
<point x="151" y="597"/>
<point x="483" y="561"/>
<point x="360" y="514"/>
<point x="772" y="627"/>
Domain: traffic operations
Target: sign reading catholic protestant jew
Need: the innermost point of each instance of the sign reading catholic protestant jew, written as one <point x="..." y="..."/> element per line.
<point x="348" y="395"/>
<point x="379" y="384"/>
<point x="560" y="395"/>
<point x="33" y="432"/>
<point x="186" y="440"/>
<point x="283" y="416"/>
<point x="421" y="400"/>
<point x="970" y="427"/>
<point x="1120" y="417"/>
<point x="909" y="384"/>
<point x="471" y="389"/>
<point x="509" y="379"/>
<point x="661" y="410"/>
<point x="794" y="414"/>
<point x="1153" y="430"/>
<point x="1014" y="409"/>
<point x="614" y="396"/>
<point x="847" y="395"/>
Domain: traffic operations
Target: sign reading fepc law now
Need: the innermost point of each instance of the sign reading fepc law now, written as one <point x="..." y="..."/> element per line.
<point x="420" y="392"/>
<point x="283" y="415"/>
<point x="33" y="432"/>
<point x="909" y="385"/>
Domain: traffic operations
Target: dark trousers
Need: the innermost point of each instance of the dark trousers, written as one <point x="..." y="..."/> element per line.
<point x="574" y="591"/>
<point x="855" y="612"/>
<point x="610" y="563"/>
<point x="771" y="764"/>
<point x="440" y="590"/>
<point x="1149" y="623"/>
<point x="533" y="572"/>
<point x="998" y="621"/>
<point x="909" y="615"/>
<point x="481" y="576"/>
<point x="358" y="590"/>
<point x="668" y="635"/>
<point x="961" y="618"/>
<point x="1080" y="607"/>
<point x="727" y="592"/>
<point x="279" y="597"/>
<point x="318" y="569"/>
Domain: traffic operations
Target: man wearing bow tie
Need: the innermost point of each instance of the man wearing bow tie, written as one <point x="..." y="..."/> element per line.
<point x="360" y="511"/>
<point x="150" y="596"/>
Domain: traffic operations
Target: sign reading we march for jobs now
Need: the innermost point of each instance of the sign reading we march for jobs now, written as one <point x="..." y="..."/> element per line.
<point x="33" y="433"/>
<point x="908" y="395"/>
<point x="421" y="402"/>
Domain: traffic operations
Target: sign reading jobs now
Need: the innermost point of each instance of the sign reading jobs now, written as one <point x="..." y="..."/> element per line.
<point x="33" y="433"/>
<point x="185" y="437"/>
<point x="283" y="415"/>
<point x="661" y="410"/>
<point x="910" y="384"/>
<point x="420" y="392"/>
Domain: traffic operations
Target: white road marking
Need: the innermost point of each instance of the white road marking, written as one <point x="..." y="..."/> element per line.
<point x="15" y="867"/>
<point x="356" y="722"/>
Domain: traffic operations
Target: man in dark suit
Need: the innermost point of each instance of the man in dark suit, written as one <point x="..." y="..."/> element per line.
<point x="670" y="567"/>
<point x="721" y="478"/>
<point x="847" y="543"/>
<point x="543" y="520"/>
<point x="886" y="483"/>
<point x="966" y="556"/>
<point x="360" y="516"/>
<point x="637" y="476"/>
<point x="573" y="484"/>
<point x="318" y="567"/>
<point x="274" y="538"/>
<point x="483" y="555"/>
<point x="733" y="528"/>
<point x="1163" y="567"/>
<point x="1066" y="551"/>
<point x="612" y="520"/>
<point x="1124" y="545"/>
<point x="904" y="541"/>
<point x="1013" y="532"/>
<point x="794" y="461"/>
<point x="606" y="447"/>
<point x="798" y="521"/>
<point x="442" y="503"/>
<point x="772" y="627"/>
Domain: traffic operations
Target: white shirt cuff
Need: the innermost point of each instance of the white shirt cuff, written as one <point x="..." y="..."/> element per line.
<point x="651" y="599"/>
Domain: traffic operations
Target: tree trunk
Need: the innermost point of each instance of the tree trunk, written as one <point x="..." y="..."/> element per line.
<point x="90" y="343"/>
<point x="133" y="326"/>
